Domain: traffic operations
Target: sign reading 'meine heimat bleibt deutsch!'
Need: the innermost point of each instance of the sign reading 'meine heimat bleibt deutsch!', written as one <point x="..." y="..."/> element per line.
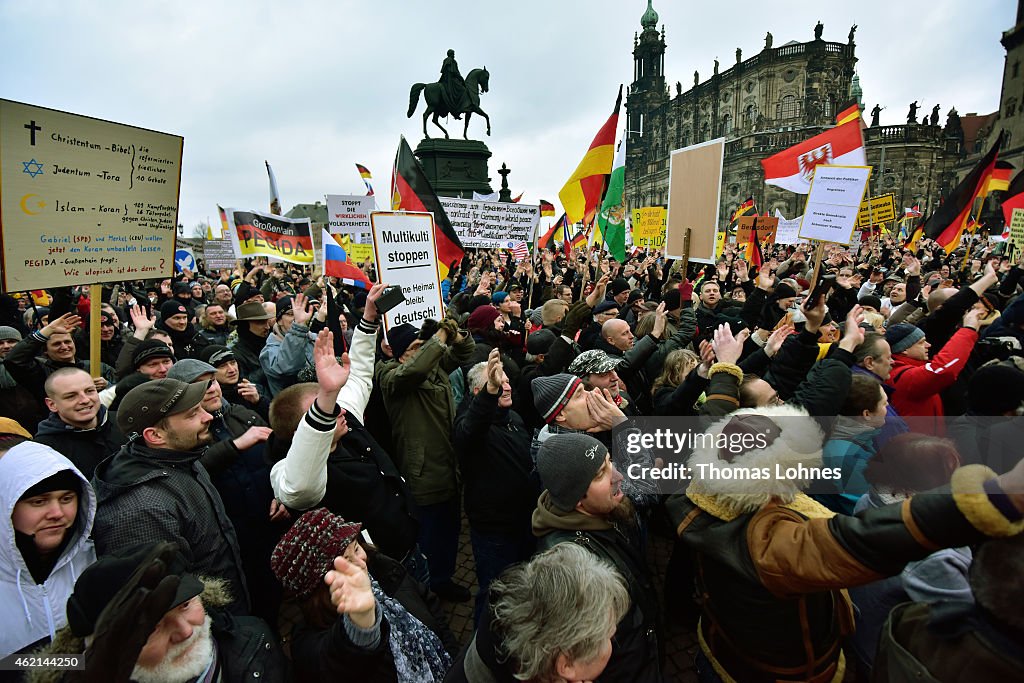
<point x="84" y="201"/>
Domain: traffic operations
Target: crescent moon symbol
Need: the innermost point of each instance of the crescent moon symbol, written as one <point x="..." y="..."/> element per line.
<point x="24" y="206"/>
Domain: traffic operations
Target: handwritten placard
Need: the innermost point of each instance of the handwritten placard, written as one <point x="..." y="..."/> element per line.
<point x="84" y="200"/>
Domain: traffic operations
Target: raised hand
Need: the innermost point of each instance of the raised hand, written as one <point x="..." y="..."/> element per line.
<point x="728" y="348"/>
<point x="603" y="410"/>
<point x="330" y="374"/>
<point x="776" y="339"/>
<point x="853" y="333"/>
<point x="300" y="309"/>
<point x="66" y="324"/>
<point x="495" y="372"/>
<point x="660" y="320"/>
<point x="351" y="593"/>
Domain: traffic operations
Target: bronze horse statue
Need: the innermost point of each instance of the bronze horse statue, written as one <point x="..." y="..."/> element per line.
<point x="476" y="82"/>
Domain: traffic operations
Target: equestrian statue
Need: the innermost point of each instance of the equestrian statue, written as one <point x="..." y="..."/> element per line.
<point x="451" y="95"/>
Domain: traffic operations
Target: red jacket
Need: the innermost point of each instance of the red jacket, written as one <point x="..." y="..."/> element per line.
<point x="917" y="383"/>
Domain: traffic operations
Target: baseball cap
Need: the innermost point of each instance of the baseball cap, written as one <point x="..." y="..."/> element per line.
<point x="152" y="401"/>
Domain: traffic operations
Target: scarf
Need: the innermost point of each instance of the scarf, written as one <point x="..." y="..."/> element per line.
<point x="417" y="651"/>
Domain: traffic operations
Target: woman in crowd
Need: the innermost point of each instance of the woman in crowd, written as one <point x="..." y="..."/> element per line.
<point x="363" y="617"/>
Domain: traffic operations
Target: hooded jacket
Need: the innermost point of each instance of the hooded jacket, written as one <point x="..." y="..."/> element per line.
<point x="149" y="494"/>
<point x="284" y="355"/>
<point x="32" y="612"/>
<point x="86" y="448"/>
<point x="772" y="563"/>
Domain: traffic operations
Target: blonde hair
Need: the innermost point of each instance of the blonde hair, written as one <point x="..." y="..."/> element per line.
<point x="678" y="365"/>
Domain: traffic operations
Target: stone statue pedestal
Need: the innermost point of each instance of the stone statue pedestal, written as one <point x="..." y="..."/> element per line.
<point x="455" y="168"/>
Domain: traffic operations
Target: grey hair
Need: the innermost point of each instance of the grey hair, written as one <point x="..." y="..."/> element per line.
<point x="477" y="376"/>
<point x="565" y="601"/>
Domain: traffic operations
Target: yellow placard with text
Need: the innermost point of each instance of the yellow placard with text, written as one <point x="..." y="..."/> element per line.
<point x="649" y="227"/>
<point x="357" y="253"/>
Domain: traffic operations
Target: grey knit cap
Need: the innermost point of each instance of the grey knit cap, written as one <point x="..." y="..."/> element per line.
<point x="188" y="369"/>
<point x="9" y="333"/>
<point x="902" y="336"/>
<point x="550" y="394"/>
<point x="567" y="463"/>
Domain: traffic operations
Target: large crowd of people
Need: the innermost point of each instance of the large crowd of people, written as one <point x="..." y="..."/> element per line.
<point x="259" y="483"/>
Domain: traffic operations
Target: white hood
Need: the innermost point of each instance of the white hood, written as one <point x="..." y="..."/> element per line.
<point x="32" y="611"/>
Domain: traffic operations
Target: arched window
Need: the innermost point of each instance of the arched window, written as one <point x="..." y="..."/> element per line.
<point x="789" y="108"/>
<point x="727" y="124"/>
<point x="749" y="116"/>
<point x="705" y="131"/>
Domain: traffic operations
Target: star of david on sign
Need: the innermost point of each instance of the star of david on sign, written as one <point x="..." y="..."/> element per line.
<point x="33" y="168"/>
<point x="808" y="161"/>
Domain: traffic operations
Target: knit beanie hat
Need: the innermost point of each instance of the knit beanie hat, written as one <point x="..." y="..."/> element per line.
<point x="619" y="285"/>
<point x="172" y="307"/>
<point x="498" y="297"/>
<point x="482" y="318"/>
<point x="400" y="337"/>
<point x="782" y="291"/>
<point x="551" y="394"/>
<point x="150" y="348"/>
<point x="65" y="480"/>
<point x="537" y="316"/>
<point x="307" y="551"/>
<point x="9" y="333"/>
<point x="539" y="342"/>
<point x="871" y="300"/>
<point x="672" y="300"/>
<point x="995" y="389"/>
<point x="902" y="336"/>
<point x="567" y="463"/>
<point x="283" y="305"/>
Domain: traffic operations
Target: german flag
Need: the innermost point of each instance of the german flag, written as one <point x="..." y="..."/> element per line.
<point x="555" y="234"/>
<point x="743" y="209"/>
<point x="364" y="172"/>
<point x="850" y="113"/>
<point x="947" y="224"/>
<point x="999" y="181"/>
<point x="914" y="238"/>
<point x="584" y="189"/>
<point x="547" y="208"/>
<point x="411" y="191"/>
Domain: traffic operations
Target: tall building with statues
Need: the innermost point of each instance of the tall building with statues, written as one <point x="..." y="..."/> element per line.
<point x="779" y="96"/>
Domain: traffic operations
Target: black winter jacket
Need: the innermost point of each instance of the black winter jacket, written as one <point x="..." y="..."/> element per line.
<point x="86" y="448"/>
<point x="500" y="484"/>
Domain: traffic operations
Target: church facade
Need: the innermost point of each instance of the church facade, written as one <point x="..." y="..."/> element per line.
<point x="762" y="104"/>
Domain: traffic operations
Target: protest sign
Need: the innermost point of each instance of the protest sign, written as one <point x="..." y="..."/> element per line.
<point x="348" y="213"/>
<point x="649" y="227"/>
<point x="488" y="224"/>
<point x="789" y="229"/>
<point x="833" y="203"/>
<point x="263" y="234"/>
<point x="766" y="227"/>
<point x="694" y="197"/>
<point x="1017" y="228"/>
<point x="357" y="252"/>
<point x="880" y="209"/>
<point x="184" y="258"/>
<point x="218" y="254"/>
<point x="84" y="200"/>
<point x="719" y="244"/>
<point x="406" y="255"/>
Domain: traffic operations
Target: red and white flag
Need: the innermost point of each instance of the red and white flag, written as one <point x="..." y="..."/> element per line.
<point x="913" y="212"/>
<point x="793" y="168"/>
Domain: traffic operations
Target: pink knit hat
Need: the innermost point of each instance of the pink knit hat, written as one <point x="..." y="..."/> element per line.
<point x="307" y="551"/>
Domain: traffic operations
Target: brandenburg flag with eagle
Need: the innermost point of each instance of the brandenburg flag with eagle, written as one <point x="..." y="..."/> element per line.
<point x="792" y="169"/>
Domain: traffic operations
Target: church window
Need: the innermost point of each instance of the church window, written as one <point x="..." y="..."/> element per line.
<point x="727" y="124"/>
<point x="789" y="108"/>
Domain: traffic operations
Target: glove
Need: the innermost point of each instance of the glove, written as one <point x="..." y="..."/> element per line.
<point x="126" y="623"/>
<point x="575" y="318"/>
<point x="451" y="329"/>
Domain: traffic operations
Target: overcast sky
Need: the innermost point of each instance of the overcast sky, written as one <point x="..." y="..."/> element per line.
<point x="315" y="86"/>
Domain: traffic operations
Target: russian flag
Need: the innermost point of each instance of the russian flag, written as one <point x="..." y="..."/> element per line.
<point x="336" y="264"/>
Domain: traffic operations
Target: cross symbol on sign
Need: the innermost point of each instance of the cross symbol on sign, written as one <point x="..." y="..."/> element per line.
<point x="33" y="129"/>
